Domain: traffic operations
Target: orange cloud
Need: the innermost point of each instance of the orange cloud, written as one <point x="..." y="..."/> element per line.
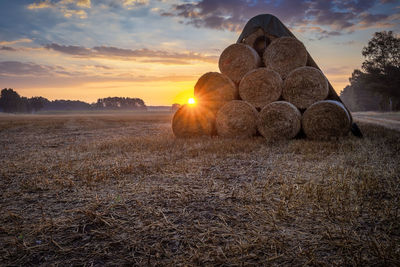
<point x="132" y="3"/>
<point x="64" y="7"/>
<point x="24" y="40"/>
<point x="40" y="5"/>
<point x="110" y="52"/>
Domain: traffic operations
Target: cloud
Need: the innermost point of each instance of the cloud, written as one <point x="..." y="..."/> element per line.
<point x="41" y="5"/>
<point x="70" y="12"/>
<point x="102" y="67"/>
<point x="371" y="20"/>
<point x="319" y="32"/>
<point x="156" y="56"/>
<point x="7" y="48"/>
<point x="133" y="3"/>
<point x="346" y="43"/>
<point x="83" y="3"/>
<point x="23" y="40"/>
<point x="70" y="49"/>
<point x="388" y="1"/>
<point x="336" y="16"/>
<point x="62" y="3"/>
<point x="21" y="68"/>
<point x="68" y="8"/>
<point x="30" y="69"/>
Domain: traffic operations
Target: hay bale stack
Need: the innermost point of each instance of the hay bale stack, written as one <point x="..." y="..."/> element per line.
<point x="192" y="121"/>
<point x="236" y="119"/>
<point x="214" y="89"/>
<point x="260" y="87"/>
<point x="279" y="120"/>
<point x="259" y="40"/>
<point x="284" y="55"/>
<point x="326" y="119"/>
<point x="238" y="59"/>
<point x="305" y="86"/>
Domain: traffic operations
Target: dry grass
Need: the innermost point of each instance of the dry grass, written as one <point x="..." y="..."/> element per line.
<point x="121" y="190"/>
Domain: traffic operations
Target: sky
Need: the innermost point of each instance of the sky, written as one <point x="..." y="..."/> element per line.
<point x="157" y="49"/>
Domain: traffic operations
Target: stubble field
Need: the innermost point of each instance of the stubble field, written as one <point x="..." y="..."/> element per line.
<point x="120" y="189"/>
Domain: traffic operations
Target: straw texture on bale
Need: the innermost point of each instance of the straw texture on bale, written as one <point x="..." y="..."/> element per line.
<point x="279" y="120"/>
<point x="238" y="59"/>
<point x="326" y="119"/>
<point x="285" y="54"/>
<point x="236" y="119"/>
<point x="214" y="89"/>
<point x="260" y="87"/>
<point x="259" y="40"/>
<point x="191" y="121"/>
<point x="305" y="86"/>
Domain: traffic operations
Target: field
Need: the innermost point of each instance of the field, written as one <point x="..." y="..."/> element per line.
<point x="120" y="189"/>
<point x="389" y="120"/>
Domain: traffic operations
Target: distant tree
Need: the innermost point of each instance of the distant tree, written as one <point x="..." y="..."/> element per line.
<point x="10" y="101"/>
<point x="120" y="103"/>
<point x="37" y="103"/>
<point x="377" y="85"/>
<point x="175" y="106"/>
<point x="66" y="105"/>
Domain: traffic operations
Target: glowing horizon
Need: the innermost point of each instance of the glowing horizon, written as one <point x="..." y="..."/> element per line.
<point x="85" y="50"/>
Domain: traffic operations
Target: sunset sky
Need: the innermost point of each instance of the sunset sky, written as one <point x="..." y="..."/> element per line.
<point x="156" y="49"/>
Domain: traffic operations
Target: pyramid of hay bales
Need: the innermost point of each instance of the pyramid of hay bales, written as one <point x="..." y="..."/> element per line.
<point x="268" y="84"/>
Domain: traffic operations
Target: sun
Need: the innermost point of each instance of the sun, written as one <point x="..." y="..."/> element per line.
<point x="192" y="101"/>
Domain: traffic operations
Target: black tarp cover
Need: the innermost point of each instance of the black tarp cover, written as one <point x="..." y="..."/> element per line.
<point x="269" y="23"/>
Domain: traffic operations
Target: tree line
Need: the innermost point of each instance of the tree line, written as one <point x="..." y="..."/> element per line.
<point x="377" y="85"/>
<point x="12" y="102"/>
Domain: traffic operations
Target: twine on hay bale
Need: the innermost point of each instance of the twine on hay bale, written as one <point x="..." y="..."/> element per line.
<point x="260" y="87"/>
<point x="326" y="119"/>
<point x="259" y="40"/>
<point x="214" y="89"/>
<point x="191" y="121"/>
<point x="305" y="86"/>
<point x="236" y="119"/>
<point x="238" y="59"/>
<point x="285" y="54"/>
<point x="279" y="120"/>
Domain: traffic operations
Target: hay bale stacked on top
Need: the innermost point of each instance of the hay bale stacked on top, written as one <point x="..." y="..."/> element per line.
<point x="277" y="96"/>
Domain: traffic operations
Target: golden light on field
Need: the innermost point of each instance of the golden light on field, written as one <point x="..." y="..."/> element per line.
<point x="191" y="101"/>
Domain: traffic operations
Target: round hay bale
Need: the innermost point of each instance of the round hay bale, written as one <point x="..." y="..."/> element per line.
<point x="192" y="121"/>
<point x="259" y="40"/>
<point x="238" y="59"/>
<point x="285" y="54"/>
<point x="214" y="89"/>
<point x="236" y="119"/>
<point x="326" y="119"/>
<point x="305" y="86"/>
<point x="260" y="87"/>
<point x="279" y="120"/>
